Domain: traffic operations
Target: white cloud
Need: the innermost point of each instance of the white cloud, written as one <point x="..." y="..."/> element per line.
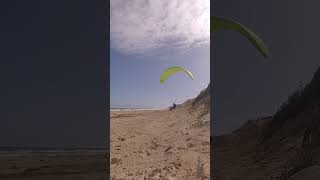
<point x="148" y="26"/>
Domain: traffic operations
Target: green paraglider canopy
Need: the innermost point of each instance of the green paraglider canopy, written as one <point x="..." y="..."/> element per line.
<point x="219" y="23"/>
<point x="172" y="70"/>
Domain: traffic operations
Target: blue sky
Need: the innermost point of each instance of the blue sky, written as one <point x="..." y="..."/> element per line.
<point x="149" y="36"/>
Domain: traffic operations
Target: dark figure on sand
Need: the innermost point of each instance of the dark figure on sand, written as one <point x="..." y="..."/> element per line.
<point x="173" y="107"/>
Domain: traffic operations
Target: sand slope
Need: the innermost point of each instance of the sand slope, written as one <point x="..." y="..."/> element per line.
<point x="243" y="155"/>
<point x="309" y="173"/>
<point x="159" y="144"/>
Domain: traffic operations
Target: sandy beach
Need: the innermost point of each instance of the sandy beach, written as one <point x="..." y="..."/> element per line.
<point x="62" y="165"/>
<point x="159" y="144"/>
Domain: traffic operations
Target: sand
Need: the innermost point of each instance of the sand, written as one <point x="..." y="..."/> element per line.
<point x="52" y="166"/>
<point x="159" y="144"/>
<point x="243" y="155"/>
<point x="309" y="173"/>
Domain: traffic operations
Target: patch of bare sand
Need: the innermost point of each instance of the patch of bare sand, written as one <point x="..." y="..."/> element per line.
<point x="159" y="144"/>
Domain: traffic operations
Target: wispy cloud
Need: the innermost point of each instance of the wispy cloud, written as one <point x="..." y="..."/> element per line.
<point x="148" y="26"/>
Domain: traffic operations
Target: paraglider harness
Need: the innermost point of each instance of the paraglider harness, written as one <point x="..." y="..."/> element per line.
<point x="173" y="107"/>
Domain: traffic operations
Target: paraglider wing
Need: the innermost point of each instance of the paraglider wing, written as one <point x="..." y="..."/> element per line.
<point x="219" y="23"/>
<point x="172" y="70"/>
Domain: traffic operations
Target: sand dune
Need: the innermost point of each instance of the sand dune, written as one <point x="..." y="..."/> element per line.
<point x="243" y="155"/>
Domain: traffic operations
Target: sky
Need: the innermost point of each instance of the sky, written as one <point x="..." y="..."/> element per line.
<point x="245" y="84"/>
<point x="147" y="37"/>
<point x="53" y="57"/>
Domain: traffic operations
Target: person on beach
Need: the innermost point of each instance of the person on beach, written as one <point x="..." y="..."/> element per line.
<point x="174" y="106"/>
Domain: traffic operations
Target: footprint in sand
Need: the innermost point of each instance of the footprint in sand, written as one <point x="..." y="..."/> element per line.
<point x="116" y="161"/>
<point x="169" y="171"/>
<point x="148" y="153"/>
<point x="155" y="172"/>
<point x="121" y="139"/>
<point x="176" y="165"/>
<point x="154" y="145"/>
<point x="190" y="145"/>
